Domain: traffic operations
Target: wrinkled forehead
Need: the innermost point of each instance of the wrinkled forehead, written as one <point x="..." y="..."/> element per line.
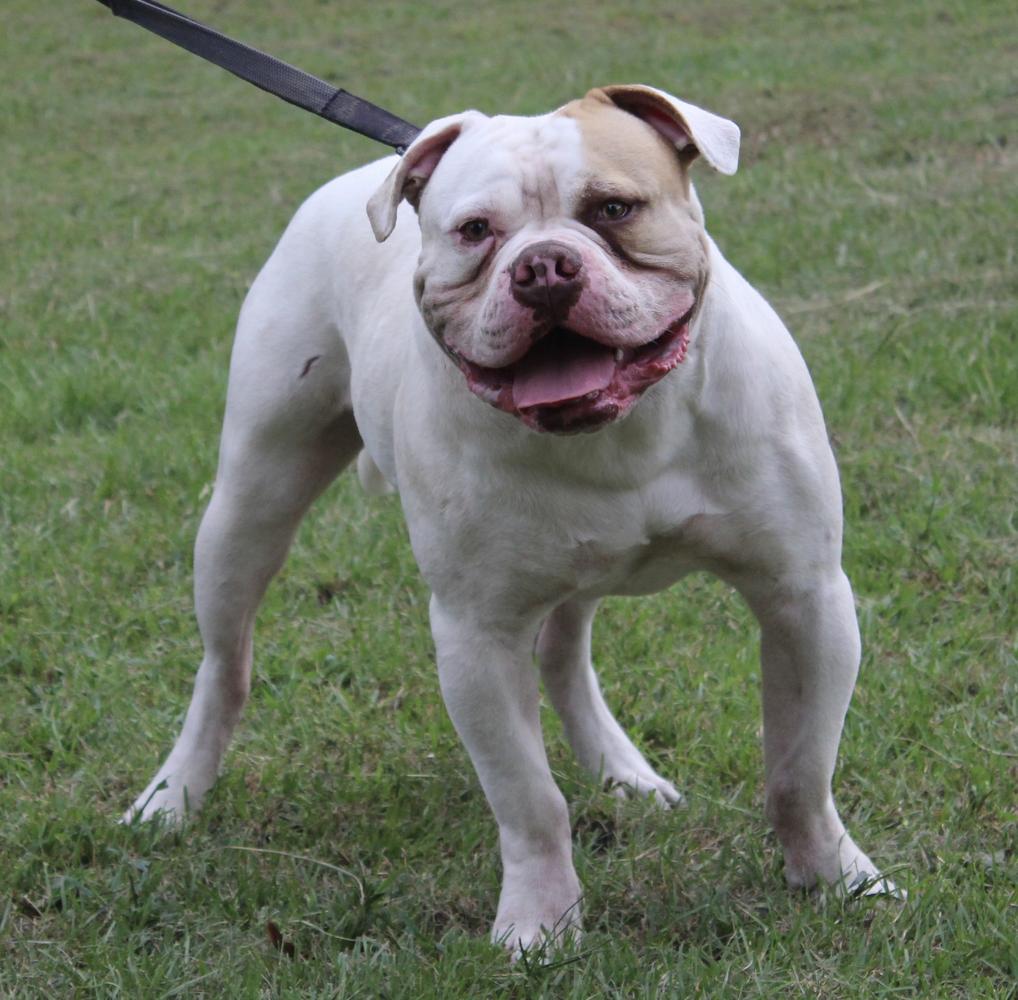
<point x="509" y="162"/>
<point x="553" y="161"/>
<point x="620" y="147"/>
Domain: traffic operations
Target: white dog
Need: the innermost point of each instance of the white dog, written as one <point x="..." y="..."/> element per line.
<point x="557" y="280"/>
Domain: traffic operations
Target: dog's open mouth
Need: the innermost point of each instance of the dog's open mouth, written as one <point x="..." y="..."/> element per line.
<point x="567" y="382"/>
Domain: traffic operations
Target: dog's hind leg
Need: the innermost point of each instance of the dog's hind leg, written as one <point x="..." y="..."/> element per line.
<point x="599" y="742"/>
<point x="287" y="432"/>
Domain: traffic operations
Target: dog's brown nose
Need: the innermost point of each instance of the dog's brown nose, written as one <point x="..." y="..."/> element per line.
<point x="548" y="276"/>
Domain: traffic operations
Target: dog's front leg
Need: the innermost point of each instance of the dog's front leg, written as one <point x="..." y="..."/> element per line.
<point x="490" y="689"/>
<point x="810" y="658"/>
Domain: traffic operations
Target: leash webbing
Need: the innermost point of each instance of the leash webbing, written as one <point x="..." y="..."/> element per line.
<point x="270" y="74"/>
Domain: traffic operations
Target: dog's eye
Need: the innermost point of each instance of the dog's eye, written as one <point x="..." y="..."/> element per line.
<point x="475" y="230"/>
<point x="613" y="210"/>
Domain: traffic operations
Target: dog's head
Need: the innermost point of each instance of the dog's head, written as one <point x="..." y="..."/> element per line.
<point x="563" y="256"/>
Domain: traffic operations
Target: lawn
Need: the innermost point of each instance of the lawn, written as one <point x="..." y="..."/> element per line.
<point x="347" y="850"/>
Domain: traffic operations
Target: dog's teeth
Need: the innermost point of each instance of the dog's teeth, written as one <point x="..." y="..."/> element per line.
<point x="618" y="353"/>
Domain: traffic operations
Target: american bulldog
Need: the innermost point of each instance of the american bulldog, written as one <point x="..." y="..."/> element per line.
<point x="575" y="395"/>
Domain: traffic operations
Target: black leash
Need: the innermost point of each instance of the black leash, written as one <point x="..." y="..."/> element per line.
<point x="273" y="75"/>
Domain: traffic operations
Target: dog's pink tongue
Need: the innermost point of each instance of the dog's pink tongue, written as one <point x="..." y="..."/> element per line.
<point x="561" y="367"/>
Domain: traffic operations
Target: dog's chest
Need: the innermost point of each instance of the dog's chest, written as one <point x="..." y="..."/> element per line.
<point x="652" y="542"/>
<point x="640" y="565"/>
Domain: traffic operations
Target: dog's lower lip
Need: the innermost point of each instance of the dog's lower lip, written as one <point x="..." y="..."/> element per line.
<point x="623" y="355"/>
<point x="665" y="339"/>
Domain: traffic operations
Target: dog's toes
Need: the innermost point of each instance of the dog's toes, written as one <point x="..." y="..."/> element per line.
<point x="160" y="803"/>
<point x="873" y="885"/>
<point x="531" y="941"/>
<point x="664" y="794"/>
<point x="649" y="785"/>
<point x="164" y="816"/>
<point x="667" y="795"/>
<point x="538" y="912"/>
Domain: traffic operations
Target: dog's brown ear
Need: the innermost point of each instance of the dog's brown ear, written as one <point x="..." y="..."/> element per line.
<point x="409" y="176"/>
<point x="689" y="128"/>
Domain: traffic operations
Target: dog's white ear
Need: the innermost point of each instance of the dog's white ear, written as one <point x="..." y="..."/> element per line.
<point x="409" y="176"/>
<point x="689" y="128"/>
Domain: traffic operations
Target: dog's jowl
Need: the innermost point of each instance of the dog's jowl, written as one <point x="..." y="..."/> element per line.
<point x="524" y="328"/>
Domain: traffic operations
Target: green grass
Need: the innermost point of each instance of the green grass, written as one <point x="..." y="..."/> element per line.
<point x="141" y="190"/>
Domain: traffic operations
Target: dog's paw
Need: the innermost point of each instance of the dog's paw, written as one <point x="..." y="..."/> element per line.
<point x="535" y="940"/>
<point x="146" y="810"/>
<point x="538" y="910"/>
<point x="841" y="866"/>
<point x="646" y="783"/>
<point x="871" y="886"/>
<point x="165" y="801"/>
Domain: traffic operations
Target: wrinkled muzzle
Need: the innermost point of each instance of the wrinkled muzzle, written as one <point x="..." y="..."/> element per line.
<point x="564" y="345"/>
